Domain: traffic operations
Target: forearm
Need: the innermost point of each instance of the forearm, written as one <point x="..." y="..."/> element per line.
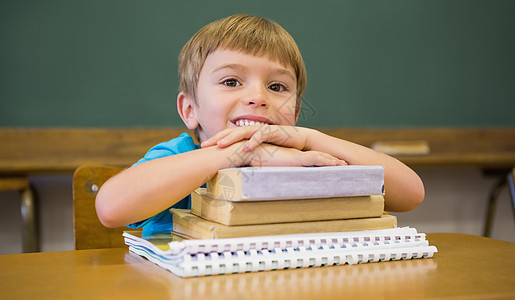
<point x="404" y="189"/>
<point x="147" y="189"/>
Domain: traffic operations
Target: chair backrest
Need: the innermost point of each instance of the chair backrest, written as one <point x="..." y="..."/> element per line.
<point x="89" y="233"/>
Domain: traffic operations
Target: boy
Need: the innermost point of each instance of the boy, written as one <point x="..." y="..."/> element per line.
<point x="241" y="83"/>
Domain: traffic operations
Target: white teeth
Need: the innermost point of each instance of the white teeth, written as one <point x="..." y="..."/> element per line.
<point x="242" y="123"/>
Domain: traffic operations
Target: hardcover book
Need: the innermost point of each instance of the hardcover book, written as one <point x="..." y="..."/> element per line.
<point x="281" y="183"/>
<point x="184" y="222"/>
<point x="284" y="211"/>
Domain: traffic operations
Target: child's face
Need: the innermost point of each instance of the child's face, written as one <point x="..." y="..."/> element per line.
<point x="235" y="89"/>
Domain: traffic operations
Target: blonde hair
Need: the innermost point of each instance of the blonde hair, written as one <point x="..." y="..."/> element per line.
<point x="249" y="34"/>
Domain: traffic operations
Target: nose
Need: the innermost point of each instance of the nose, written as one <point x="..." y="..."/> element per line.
<point x="256" y="96"/>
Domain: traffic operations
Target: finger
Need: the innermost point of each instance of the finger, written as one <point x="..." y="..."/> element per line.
<point x="255" y="135"/>
<point x="235" y="136"/>
<point x="272" y="134"/>
<point x="287" y="136"/>
<point x="338" y="162"/>
<point x="215" y="138"/>
<point x="319" y="159"/>
<point x="227" y="137"/>
<point x="342" y="163"/>
<point x="255" y="140"/>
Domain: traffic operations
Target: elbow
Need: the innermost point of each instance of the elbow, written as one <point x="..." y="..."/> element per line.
<point x="417" y="196"/>
<point x="106" y="212"/>
<point x="404" y="200"/>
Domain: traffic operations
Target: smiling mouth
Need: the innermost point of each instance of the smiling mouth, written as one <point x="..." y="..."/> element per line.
<point x="242" y="123"/>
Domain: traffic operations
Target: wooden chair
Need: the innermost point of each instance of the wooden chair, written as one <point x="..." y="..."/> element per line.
<point x="89" y="233"/>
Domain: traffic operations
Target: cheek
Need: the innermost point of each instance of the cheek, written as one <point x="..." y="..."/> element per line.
<point x="286" y="113"/>
<point x="215" y="116"/>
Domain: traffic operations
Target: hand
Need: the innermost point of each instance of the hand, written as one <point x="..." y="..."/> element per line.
<point x="266" y="155"/>
<point x="287" y="136"/>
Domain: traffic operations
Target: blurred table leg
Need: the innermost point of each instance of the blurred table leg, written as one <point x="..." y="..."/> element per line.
<point x="29" y="213"/>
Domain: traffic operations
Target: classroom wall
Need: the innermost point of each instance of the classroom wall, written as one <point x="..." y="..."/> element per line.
<point x="378" y="63"/>
<point x="456" y="201"/>
<point x="375" y="63"/>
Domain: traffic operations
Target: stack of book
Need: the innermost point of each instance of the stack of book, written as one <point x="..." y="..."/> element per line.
<point x="260" y="219"/>
<point x="243" y="202"/>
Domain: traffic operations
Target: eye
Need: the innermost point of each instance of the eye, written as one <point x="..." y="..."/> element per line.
<point x="231" y="82"/>
<point x="278" y="87"/>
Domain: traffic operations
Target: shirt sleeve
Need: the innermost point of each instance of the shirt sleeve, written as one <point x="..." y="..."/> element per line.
<point x="183" y="143"/>
<point x="163" y="220"/>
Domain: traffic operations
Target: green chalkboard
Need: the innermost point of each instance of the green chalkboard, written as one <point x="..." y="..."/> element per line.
<point x="113" y="63"/>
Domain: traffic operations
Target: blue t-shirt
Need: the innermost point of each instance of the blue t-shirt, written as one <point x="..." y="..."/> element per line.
<point x="163" y="221"/>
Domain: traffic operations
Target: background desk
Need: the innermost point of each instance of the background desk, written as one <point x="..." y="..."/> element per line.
<point x="26" y="152"/>
<point x="30" y="151"/>
<point x="465" y="267"/>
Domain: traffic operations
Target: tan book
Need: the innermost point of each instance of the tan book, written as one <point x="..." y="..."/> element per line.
<point x="184" y="222"/>
<point x="281" y="183"/>
<point x="284" y="211"/>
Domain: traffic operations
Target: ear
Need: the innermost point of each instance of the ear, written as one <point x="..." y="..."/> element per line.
<point x="187" y="110"/>
<point x="297" y="113"/>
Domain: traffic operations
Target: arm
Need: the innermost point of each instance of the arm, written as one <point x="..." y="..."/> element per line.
<point x="148" y="188"/>
<point x="404" y="189"/>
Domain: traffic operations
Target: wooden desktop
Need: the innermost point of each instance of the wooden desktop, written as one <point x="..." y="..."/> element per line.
<point x="465" y="267"/>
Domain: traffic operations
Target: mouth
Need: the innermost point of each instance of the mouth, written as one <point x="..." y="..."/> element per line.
<point x="242" y="123"/>
<point x="252" y="121"/>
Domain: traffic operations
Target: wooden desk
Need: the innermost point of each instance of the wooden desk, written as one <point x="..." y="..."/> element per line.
<point x="466" y="267"/>
<point x="30" y="151"/>
<point x="492" y="148"/>
<point x="62" y="150"/>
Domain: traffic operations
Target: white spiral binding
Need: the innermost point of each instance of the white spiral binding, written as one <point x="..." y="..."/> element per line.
<point x="303" y="260"/>
<point x="293" y="241"/>
<point x="288" y="258"/>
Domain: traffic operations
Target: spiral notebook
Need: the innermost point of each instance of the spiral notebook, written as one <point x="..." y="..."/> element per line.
<point x="192" y="258"/>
